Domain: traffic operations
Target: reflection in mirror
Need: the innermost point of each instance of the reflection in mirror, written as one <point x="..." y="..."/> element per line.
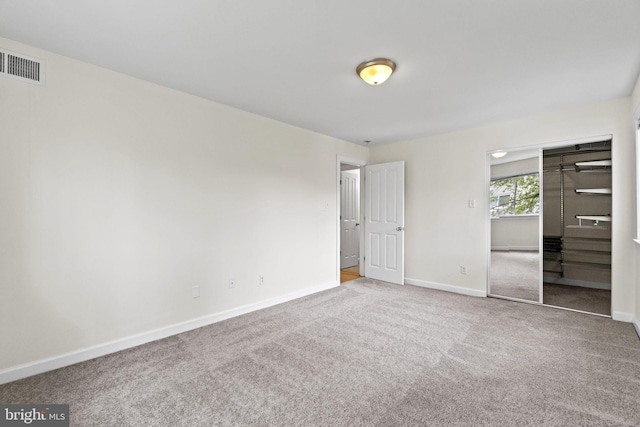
<point x="515" y="226"/>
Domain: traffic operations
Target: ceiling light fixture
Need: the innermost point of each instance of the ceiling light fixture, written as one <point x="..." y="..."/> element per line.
<point x="376" y="71"/>
<point x="499" y="154"/>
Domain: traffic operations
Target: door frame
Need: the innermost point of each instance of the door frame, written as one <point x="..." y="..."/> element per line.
<point x="541" y="147"/>
<point x="346" y="176"/>
<point x="361" y="163"/>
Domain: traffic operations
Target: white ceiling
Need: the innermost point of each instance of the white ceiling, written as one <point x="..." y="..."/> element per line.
<point x="461" y="63"/>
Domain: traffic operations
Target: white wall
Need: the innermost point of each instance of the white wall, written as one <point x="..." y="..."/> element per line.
<point x="519" y="232"/>
<point x="635" y="96"/>
<point x="118" y="195"/>
<point x="636" y="115"/>
<point x="443" y="172"/>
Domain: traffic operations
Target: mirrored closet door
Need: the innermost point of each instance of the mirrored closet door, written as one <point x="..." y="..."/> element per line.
<point x="577" y="227"/>
<point x="515" y="225"/>
<point x="550" y="211"/>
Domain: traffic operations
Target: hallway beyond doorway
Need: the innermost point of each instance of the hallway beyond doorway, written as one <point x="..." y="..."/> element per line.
<point x="350" y="273"/>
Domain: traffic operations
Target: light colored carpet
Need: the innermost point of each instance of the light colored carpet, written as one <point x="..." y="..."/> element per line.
<point x="515" y="274"/>
<point x="364" y="354"/>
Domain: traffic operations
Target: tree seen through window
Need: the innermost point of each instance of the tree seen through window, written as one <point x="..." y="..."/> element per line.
<point x="516" y="195"/>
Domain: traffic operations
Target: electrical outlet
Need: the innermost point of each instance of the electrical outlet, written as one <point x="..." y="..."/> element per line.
<point x="463" y="269"/>
<point x="195" y="292"/>
<point x="232" y="283"/>
<point x="472" y="203"/>
<point x="261" y="280"/>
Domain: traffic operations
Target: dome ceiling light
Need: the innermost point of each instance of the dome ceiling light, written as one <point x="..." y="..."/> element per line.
<point x="376" y="71"/>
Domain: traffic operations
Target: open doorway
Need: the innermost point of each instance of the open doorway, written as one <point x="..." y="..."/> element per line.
<point x="350" y="229"/>
<point x="380" y="215"/>
<point x="350" y="238"/>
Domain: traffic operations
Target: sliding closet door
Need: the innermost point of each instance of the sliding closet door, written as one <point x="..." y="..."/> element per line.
<point x="577" y="227"/>
<point x="515" y="263"/>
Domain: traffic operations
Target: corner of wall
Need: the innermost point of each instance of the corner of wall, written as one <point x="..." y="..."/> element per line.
<point x="635" y="111"/>
<point x="635" y="98"/>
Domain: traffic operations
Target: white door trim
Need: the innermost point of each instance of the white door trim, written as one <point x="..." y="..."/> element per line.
<point x="355" y="162"/>
<point x="540" y="226"/>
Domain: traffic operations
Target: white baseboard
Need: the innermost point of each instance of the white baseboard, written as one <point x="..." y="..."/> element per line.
<point x="515" y="248"/>
<point x="443" y="287"/>
<point x="33" y="368"/>
<point x="627" y="317"/>
<point x="622" y="317"/>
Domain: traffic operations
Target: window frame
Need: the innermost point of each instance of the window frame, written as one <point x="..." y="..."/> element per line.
<point x="514" y="194"/>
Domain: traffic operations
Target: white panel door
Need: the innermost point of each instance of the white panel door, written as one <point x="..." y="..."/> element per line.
<point x="384" y="222"/>
<point x="349" y="218"/>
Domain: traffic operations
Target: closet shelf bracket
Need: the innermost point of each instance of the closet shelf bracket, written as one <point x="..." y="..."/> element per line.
<point x="593" y="191"/>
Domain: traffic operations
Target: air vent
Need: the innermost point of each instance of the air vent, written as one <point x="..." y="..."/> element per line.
<point x="21" y="67"/>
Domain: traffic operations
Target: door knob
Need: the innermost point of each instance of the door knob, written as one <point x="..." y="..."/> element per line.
<point x="357" y="224"/>
<point x="399" y="228"/>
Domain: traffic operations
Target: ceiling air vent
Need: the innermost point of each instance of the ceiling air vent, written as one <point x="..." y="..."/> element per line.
<point x="21" y="67"/>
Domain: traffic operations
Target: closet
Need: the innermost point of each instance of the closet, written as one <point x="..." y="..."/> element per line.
<point x="577" y="227"/>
